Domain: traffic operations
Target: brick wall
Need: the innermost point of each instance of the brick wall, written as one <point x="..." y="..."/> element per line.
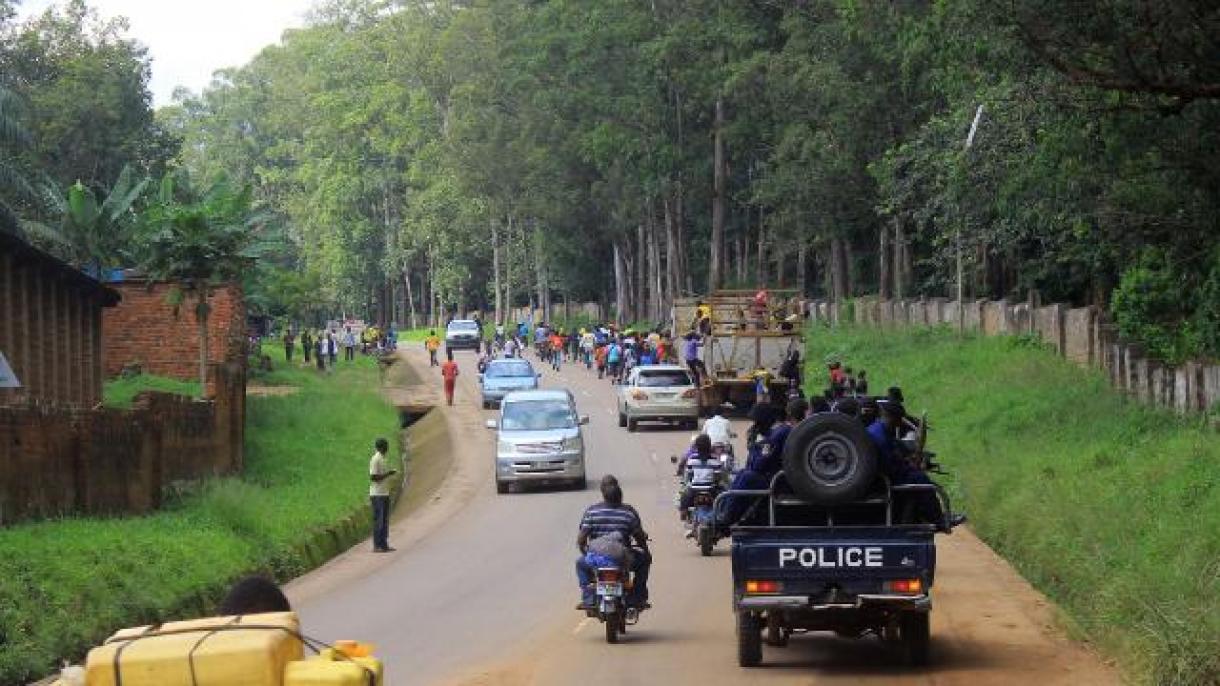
<point x="144" y="329"/>
<point x="56" y="460"/>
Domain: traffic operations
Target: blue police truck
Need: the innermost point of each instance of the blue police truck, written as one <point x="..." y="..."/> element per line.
<point x="837" y="548"/>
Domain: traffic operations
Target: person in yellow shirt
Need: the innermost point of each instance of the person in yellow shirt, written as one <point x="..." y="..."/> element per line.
<point x="432" y="343"/>
<point x="703" y="319"/>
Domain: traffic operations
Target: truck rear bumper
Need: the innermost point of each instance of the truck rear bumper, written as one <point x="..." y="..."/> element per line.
<point x="920" y="603"/>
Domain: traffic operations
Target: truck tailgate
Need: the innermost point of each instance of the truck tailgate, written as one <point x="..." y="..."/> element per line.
<point x="814" y="560"/>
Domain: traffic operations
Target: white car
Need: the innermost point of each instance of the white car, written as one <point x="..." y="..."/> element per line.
<point x="658" y="393"/>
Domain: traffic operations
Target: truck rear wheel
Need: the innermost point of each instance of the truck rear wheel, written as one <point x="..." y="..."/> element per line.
<point x="915" y="635"/>
<point x="829" y="459"/>
<point x="749" y="640"/>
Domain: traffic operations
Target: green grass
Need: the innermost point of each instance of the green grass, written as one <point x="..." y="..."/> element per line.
<point x="66" y="584"/>
<point x="1110" y="508"/>
<point x="122" y="392"/>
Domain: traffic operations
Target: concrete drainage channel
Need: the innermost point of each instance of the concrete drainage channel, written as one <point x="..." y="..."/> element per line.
<point x="326" y="543"/>
<point x="409" y="414"/>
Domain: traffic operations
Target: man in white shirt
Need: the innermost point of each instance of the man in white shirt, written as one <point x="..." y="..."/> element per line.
<point x="379" y="496"/>
<point x="718" y="429"/>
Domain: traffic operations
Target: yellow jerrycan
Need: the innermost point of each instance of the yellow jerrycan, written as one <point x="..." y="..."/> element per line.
<point x="247" y="650"/>
<point x="347" y="664"/>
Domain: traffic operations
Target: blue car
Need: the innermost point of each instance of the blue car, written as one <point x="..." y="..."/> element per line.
<point x="505" y="376"/>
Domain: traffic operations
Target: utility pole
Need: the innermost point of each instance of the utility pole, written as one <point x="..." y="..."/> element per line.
<point x="961" y="308"/>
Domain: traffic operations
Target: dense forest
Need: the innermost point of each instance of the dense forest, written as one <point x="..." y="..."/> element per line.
<point x="421" y="156"/>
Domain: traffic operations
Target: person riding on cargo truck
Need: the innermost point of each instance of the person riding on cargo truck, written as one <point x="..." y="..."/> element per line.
<point x="736" y="350"/>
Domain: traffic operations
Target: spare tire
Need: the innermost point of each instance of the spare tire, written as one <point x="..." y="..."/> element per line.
<point x="829" y="459"/>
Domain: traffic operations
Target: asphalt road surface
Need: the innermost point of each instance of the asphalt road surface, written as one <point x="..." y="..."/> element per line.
<point x="482" y="588"/>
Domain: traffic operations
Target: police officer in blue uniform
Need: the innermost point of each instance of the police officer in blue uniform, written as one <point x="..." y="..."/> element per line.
<point x="894" y="463"/>
<point x="764" y="459"/>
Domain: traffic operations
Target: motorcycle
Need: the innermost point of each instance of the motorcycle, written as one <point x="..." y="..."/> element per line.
<point x="700" y="515"/>
<point x="612" y="585"/>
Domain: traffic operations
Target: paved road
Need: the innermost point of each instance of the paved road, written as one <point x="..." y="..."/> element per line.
<point x="482" y="588"/>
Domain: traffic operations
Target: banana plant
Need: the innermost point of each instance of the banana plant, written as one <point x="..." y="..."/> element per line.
<point x="95" y="236"/>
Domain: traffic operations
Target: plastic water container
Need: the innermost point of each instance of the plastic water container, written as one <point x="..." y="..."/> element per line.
<point x="251" y="650"/>
<point x="330" y="668"/>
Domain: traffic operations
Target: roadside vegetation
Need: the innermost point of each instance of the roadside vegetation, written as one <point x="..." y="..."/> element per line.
<point x="1110" y="508"/>
<point x="66" y="584"/>
<point x="122" y="392"/>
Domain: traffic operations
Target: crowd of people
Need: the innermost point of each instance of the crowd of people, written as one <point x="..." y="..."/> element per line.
<point x="322" y="346"/>
<point x="611" y="351"/>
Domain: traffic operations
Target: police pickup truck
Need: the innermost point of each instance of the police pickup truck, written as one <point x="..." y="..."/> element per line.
<point x="857" y="566"/>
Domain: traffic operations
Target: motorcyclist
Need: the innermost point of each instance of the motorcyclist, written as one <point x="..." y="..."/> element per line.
<point x="720" y="431"/>
<point x="614" y="519"/>
<point x="698" y="467"/>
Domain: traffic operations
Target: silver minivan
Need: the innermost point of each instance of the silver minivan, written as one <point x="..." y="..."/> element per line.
<point x="539" y="440"/>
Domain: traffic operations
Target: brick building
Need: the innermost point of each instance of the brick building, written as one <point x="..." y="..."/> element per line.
<point x="145" y="330"/>
<point x="50" y="327"/>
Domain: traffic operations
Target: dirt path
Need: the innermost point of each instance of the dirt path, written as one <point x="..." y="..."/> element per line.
<point x="481" y="589"/>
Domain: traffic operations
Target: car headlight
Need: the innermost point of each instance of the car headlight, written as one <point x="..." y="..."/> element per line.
<point x="573" y="444"/>
<point x="504" y="447"/>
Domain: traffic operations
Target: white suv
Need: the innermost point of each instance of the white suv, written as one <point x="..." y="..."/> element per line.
<point x="658" y="392"/>
<point x="463" y="333"/>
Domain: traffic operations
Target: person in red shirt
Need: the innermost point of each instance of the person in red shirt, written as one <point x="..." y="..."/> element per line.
<point x="449" y="372"/>
<point x="556" y="350"/>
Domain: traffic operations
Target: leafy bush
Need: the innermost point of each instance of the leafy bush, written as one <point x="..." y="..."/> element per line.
<point x="1154" y="305"/>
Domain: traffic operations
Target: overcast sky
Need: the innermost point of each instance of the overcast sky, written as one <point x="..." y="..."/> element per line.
<point x="190" y="39"/>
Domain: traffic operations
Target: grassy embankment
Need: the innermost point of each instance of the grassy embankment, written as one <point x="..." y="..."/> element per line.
<point x="66" y="584"/>
<point x="122" y="392"/>
<point x="1110" y="508"/>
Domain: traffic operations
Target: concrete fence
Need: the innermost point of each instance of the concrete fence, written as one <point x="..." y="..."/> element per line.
<point x="57" y="460"/>
<point x="1081" y="334"/>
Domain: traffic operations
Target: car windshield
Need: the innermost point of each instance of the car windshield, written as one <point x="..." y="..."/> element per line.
<point x="672" y="377"/>
<point x="501" y="370"/>
<point x="463" y="326"/>
<point x="537" y="415"/>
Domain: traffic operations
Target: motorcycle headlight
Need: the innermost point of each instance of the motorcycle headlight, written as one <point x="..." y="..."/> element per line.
<point x="573" y="444"/>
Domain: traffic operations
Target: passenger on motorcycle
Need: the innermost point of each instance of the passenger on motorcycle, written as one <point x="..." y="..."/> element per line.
<point x="618" y="523"/>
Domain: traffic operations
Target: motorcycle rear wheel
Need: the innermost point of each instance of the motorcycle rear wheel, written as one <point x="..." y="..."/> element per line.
<point x="706" y="541"/>
<point x="613" y="622"/>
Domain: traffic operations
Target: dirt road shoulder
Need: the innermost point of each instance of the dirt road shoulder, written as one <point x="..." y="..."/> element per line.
<point x="440" y="478"/>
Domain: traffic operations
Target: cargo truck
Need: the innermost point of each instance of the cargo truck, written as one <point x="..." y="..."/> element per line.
<point x="740" y="343"/>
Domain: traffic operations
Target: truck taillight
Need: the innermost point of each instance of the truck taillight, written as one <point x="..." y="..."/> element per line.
<point x="910" y="586"/>
<point x="763" y="587"/>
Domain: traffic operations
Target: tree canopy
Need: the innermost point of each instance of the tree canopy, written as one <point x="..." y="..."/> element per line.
<point x="428" y="156"/>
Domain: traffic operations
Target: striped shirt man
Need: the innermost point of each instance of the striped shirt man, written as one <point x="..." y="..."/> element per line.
<point x="603" y="518"/>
